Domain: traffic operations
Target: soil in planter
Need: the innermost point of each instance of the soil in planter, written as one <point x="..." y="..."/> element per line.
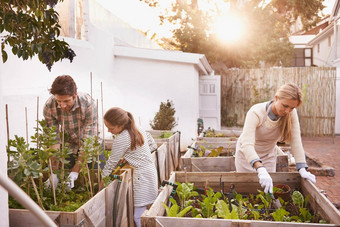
<point x="249" y="207"/>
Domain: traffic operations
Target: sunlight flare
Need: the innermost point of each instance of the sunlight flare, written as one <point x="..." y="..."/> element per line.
<point x="229" y="28"/>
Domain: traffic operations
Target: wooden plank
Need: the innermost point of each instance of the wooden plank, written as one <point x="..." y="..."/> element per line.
<point x="320" y="203"/>
<point x="25" y="218"/>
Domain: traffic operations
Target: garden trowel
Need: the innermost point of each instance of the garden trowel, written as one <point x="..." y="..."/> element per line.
<point x="275" y="202"/>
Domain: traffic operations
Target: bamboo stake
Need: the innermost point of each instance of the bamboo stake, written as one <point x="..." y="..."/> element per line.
<point x="88" y="173"/>
<point x="41" y="164"/>
<point x="101" y="91"/>
<point x="51" y="180"/>
<point x="7" y="126"/>
<point x="92" y="129"/>
<point x="26" y="125"/>
<point x="37" y="194"/>
<point x="98" y="161"/>
<point x="62" y="149"/>
<point x="37" y="122"/>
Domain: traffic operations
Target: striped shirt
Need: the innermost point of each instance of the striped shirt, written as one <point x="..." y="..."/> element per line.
<point x="79" y="123"/>
<point x="145" y="185"/>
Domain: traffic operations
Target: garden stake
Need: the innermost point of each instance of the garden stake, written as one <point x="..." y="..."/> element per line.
<point x="98" y="161"/>
<point x="101" y="99"/>
<point x="34" y="186"/>
<point x="52" y="183"/>
<point x="63" y="159"/>
<point x="8" y="157"/>
<point x="37" y="194"/>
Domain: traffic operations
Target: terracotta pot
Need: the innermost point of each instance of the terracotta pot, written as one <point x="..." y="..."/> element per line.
<point x="284" y="193"/>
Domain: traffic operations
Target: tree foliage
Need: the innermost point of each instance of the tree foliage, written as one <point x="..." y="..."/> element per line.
<point x="266" y="37"/>
<point x="31" y="28"/>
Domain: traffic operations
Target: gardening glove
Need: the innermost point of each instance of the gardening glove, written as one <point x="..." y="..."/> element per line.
<point x="305" y="174"/>
<point x="265" y="179"/>
<point x="47" y="183"/>
<point x="71" y="178"/>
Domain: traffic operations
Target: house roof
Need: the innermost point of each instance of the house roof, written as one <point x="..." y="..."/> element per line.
<point x="198" y="60"/>
<point x="322" y="35"/>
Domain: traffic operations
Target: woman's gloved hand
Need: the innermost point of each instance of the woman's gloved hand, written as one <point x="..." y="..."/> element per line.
<point x="47" y="183"/>
<point x="71" y="178"/>
<point x="265" y="179"/>
<point x="305" y="174"/>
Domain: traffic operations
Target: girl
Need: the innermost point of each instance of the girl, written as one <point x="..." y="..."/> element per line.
<point x="266" y="124"/>
<point x="131" y="145"/>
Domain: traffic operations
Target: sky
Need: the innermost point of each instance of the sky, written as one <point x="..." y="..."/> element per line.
<point x="147" y="19"/>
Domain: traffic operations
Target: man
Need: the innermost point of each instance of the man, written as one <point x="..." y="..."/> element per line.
<point x="75" y="111"/>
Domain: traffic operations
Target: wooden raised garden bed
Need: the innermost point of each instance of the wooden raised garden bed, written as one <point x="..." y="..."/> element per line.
<point x="244" y="183"/>
<point x="223" y="163"/>
<point x="173" y="147"/>
<point x="103" y="209"/>
<point x="220" y="135"/>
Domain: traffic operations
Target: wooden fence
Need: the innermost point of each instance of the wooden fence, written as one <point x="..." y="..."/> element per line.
<point x="241" y="88"/>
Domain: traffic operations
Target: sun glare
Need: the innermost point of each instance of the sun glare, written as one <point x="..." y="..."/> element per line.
<point x="229" y="28"/>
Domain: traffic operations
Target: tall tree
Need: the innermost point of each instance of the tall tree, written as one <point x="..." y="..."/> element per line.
<point x="266" y="38"/>
<point x="31" y="28"/>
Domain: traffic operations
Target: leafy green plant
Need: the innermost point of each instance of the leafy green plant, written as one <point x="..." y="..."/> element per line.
<point x="174" y="210"/>
<point x="30" y="165"/>
<point x="281" y="215"/>
<point x="223" y="211"/>
<point x="166" y="134"/>
<point x="165" y="117"/>
<point x="184" y="192"/>
<point x="208" y="203"/>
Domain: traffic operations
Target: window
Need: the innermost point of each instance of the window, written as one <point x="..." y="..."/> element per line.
<point x="308" y="57"/>
<point x="71" y="18"/>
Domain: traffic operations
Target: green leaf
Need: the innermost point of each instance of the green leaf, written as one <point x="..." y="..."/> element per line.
<point x="279" y="214"/>
<point x="27" y="172"/>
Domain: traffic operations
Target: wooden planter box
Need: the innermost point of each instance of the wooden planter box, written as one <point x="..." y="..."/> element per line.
<point x="244" y="183"/>
<point x="161" y="160"/>
<point x="98" y="211"/>
<point x="230" y="135"/>
<point x="221" y="163"/>
<point x="173" y="147"/>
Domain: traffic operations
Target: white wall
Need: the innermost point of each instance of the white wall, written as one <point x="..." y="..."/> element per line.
<point x="3" y="157"/>
<point x="324" y="57"/>
<point x="141" y="85"/>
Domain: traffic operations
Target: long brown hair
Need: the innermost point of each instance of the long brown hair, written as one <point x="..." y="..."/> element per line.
<point x="288" y="91"/>
<point x="118" y="117"/>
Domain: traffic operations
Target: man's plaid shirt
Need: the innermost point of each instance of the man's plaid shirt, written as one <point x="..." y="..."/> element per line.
<point x="80" y="122"/>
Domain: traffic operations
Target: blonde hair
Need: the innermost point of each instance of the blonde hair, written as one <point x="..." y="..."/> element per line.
<point x="118" y="117"/>
<point x="288" y="91"/>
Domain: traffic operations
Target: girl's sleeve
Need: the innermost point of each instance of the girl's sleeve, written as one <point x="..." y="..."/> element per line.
<point x="247" y="140"/>
<point x="151" y="142"/>
<point x="296" y="142"/>
<point x="120" y="145"/>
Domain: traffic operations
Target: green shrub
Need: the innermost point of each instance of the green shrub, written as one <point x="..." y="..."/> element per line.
<point x="165" y="117"/>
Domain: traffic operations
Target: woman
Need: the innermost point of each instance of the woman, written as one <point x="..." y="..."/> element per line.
<point x="266" y="124"/>
<point x="135" y="146"/>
